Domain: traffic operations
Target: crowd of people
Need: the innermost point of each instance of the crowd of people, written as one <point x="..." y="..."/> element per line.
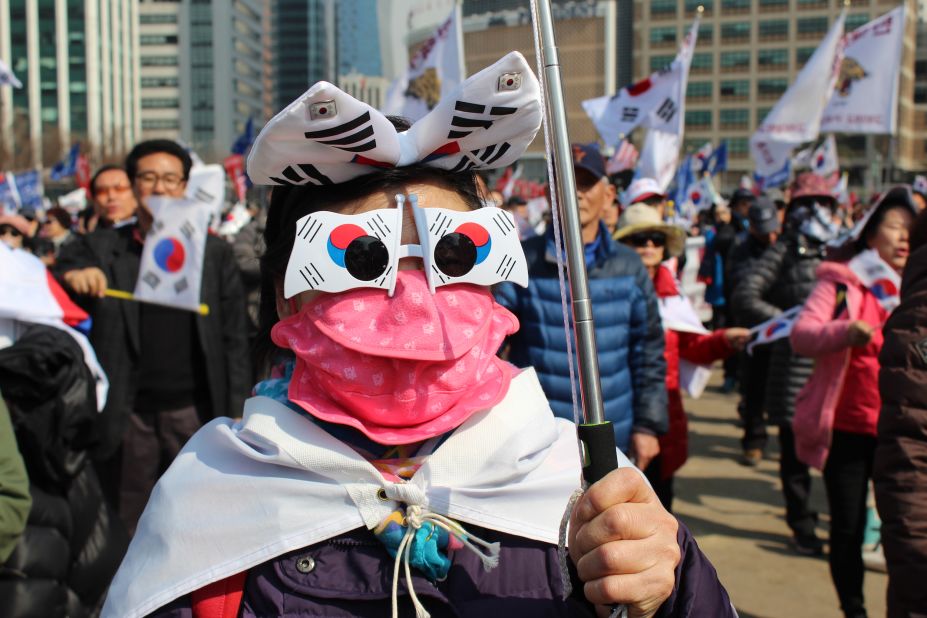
<point x="354" y="390"/>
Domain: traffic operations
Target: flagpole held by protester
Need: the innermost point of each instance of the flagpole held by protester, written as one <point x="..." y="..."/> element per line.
<point x="595" y="432"/>
<point x="123" y="295"/>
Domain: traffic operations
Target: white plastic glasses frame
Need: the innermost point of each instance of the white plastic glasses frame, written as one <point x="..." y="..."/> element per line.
<point x="318" y="258"/>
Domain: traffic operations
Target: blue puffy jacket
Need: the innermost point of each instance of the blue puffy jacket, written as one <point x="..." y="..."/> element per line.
<point x="629" y="335"/>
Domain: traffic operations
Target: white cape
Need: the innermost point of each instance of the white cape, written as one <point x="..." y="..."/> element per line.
<point x="240" y="494"/>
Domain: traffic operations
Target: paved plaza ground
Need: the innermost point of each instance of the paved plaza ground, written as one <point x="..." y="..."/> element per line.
<point x="737" y="515"/>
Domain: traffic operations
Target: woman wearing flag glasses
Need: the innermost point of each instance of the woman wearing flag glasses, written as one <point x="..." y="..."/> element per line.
<point x="837" y="411"/>
<point x="393" y="461"/>
<point x="689" y="348"/>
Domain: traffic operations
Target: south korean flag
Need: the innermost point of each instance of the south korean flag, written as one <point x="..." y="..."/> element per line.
<point x="880" y="279"/>
<point x="333" y="252"/>
<point x="171" y="269"/>
<point x="479" y="247"/>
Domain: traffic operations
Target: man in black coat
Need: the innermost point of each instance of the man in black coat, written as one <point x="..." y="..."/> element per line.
<point x="763" y="230"/>
<point x="170" y="370"/>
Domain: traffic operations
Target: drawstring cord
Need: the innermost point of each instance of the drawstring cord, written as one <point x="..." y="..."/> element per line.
<point x="415" y="517"/>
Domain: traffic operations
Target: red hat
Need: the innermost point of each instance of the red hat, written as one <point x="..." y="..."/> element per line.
<point x="809" y="184"/>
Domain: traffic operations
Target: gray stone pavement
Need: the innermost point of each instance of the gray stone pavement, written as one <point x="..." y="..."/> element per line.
<point x="737" y="516"/>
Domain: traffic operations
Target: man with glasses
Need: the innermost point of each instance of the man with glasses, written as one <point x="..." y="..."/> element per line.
<point x="170" y="370"/>
<point x="629" y="334"/>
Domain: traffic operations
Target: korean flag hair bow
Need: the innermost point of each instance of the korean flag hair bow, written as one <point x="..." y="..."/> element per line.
<point x="329" y="137"/>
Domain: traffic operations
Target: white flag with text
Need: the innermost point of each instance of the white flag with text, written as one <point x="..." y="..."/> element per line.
<point x="796" y="117"/>
<point x="865" y="99"/>
<point x="171" y="270"/>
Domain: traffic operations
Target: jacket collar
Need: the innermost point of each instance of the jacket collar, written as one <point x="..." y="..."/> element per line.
<point x="596" y="252"/>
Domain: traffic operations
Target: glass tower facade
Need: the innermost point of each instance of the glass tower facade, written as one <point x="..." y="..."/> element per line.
<point x="77" y="63"/>
<point x="358" y="38"/>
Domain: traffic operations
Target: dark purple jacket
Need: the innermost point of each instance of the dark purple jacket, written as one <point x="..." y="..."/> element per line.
<point x="352" y="575"/>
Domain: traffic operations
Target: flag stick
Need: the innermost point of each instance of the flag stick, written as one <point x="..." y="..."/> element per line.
<point x="123" y="295"/>
<point x="595" y="432"/>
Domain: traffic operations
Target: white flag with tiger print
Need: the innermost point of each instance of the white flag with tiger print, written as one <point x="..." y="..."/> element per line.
<point x="865" y="99"/>
<point x="433" y="72"/>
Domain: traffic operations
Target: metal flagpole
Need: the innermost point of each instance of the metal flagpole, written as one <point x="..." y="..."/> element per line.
<point x="595" y="432"/>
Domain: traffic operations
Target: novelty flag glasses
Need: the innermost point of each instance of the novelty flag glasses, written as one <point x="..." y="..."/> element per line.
<point x="329" y="137"/>
<point x="334" y="252"/>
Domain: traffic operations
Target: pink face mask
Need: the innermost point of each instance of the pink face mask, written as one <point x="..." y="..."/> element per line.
<point x="400" y="369"/>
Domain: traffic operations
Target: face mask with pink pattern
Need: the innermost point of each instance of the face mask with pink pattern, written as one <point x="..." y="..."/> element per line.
<point x="400" y="369"/>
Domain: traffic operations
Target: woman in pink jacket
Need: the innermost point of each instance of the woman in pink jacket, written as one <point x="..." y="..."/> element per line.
<point x="836" y="412"/>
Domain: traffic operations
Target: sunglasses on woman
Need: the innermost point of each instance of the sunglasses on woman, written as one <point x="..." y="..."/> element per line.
<point x="9" y="230"/>
<point x="642" y="238"/>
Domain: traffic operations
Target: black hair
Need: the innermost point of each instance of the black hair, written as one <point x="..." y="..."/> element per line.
<point x="61" y="215"/>
<point x="106" y="168"/>
<point x="86" y="215"/>
<point x="290" y="203"/>
<point x="154" y="146"/>
<point x="896" y="197"/>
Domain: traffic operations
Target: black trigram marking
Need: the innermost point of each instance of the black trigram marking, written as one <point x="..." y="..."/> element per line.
<point x="151" y="279"/>
<point x="629" y="114"/>
<point x="187" y="230"/>
<point x="482" y="120"/>
<point x="382" y="279"/>
<point x="312" y="276"/>
<point x="181" y="285"/>
<point x="203" y="195"/>
<point x="502" y="222"/>
<point x="310" y="174"/>
<point x="158" y="226"/>
<point x="439" y="273"/>
<point x="506" y="265"/>
<point x="440" y="225"/>
<point x="379" y="227"/>
<point x="667" y="110"/>
<point x="310" y="227"/>
<point x="358" y="141"/>
<point x="487" y="156"/>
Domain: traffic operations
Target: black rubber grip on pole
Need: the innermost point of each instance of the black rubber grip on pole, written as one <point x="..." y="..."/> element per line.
<point x="598" y="449"/>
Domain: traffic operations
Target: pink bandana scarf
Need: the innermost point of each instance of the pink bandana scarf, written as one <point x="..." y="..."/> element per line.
<point x="400" y="369"/>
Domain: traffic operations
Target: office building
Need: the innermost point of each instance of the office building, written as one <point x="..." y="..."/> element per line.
<point x="159" y="59"/>
<point x="304" y="47"/>
<point x="78" y="63"/>
<point x="221" y="76"/>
